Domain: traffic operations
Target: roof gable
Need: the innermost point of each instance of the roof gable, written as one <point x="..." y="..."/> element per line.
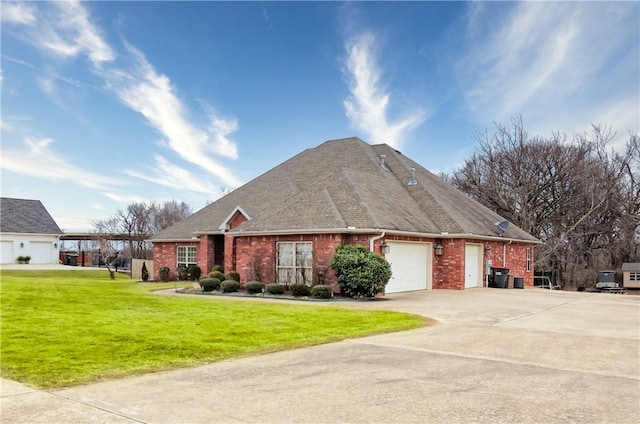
<point x="26" y="216"/>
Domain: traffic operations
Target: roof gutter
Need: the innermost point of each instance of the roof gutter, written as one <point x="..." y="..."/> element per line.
<point x="353" y="230"/>
<point x="373" y="239"/>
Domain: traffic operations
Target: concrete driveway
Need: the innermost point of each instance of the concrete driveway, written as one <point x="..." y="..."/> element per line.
<point x="497" y="356"/>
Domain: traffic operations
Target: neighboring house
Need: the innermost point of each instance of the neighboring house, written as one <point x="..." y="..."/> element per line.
<point x="284" y="225"/>
<point x="631" y="275"/>
<point x="27" y="229"/>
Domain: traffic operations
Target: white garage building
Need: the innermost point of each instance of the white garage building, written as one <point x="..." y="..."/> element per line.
<point x="27" y="229"/>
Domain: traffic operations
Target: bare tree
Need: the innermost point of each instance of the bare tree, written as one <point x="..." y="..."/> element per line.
<point x="579" y="197"/>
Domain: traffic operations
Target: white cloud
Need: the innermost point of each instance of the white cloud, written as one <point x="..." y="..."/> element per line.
<point x="124" y="198"/>
<point x="368" y="104"/>
<point x="169" y="175"/>
<point x="17" y="13"/>
<point x="559" y="65"/>
<point x="38" y="159"/>
<point x="69" y="32"/>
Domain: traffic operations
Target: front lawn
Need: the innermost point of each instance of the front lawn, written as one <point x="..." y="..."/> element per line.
<point x="61" y="328"/>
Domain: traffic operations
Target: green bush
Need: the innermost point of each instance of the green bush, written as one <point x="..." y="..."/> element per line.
<point x="321" y="292"/>
<point x="300" y="290"/>
<point x="254" y="287"/>
<point x="218" y="268"/>
<point x="232" y="275"/>
<point x="209" y="284"/>
<point x="229" y="286"/>
<point x="360" y="273"/>
<point x="216" y="274"/>
<point x="183" y="273"/>
<point x="144" y="272"/>
<point x="164" y="273"/>
<point x="194" y="272"/>
<point x="275" y="288"/>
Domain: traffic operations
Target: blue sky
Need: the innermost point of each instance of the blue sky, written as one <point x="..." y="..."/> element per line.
<point x="107" y="103"/>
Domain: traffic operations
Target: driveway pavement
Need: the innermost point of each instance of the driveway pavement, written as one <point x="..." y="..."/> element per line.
<point x="496" y="356"/>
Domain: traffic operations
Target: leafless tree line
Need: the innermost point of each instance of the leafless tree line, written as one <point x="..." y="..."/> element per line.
<point x="138" y="222"/>
<point x="580" y="197"/>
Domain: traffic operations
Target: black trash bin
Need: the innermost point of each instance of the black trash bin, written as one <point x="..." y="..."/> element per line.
<point x="499" y="277"/>
<point x="73" y="260"/>
<point x="518" y="282"/>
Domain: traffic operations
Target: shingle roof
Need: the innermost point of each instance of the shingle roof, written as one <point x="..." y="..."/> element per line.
<point x="631" y="266"/>
<point x="26" y="216"/>
<point x="341" y="185"/>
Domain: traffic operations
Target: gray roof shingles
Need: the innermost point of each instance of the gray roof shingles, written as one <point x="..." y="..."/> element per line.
<point x="26" y="216"/>
<point x="341" y="184"/>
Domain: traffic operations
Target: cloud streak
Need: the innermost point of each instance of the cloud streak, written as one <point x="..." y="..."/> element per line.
<point x="38" y="159"/>
<point x="65" y="29"/>
<point x="540" y="60"/>
<point x="367" y="106"/>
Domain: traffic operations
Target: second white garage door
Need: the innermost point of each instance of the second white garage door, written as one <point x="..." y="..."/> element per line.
<point x="410" y="265"/>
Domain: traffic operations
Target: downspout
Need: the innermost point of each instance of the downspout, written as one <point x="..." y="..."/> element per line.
<point x="504" y="253"/>
<point x="373" y="239"/>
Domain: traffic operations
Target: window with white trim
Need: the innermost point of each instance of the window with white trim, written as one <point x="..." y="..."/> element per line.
<point x="294" y="262"/>
<point x="187" y="255"/>
<point x="528" y="259"/>
<point x="634" y="276"/>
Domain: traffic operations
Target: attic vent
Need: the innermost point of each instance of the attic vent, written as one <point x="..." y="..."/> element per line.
<point x="412" y="180"/>
<point x="382" y="164"/>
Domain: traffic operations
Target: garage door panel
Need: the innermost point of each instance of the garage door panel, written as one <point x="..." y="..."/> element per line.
<point x="6" y="255"/>
<point x="40" y="252"/>
<point x="410" y="266"/>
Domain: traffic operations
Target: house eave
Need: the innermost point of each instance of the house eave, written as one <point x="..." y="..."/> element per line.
<point x="349" y="230"/>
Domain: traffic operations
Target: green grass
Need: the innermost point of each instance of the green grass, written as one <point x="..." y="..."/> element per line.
<point x="61" y="328"/>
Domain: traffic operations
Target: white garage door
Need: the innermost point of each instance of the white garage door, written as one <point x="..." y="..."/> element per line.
<point x="40" y="252"/>
<point x="472" y="265"/>
<point x="410" y="265"/>
<point x="6" y="254"/>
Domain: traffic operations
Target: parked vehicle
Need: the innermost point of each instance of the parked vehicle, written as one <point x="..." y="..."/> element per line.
<point x="606" y="280"/>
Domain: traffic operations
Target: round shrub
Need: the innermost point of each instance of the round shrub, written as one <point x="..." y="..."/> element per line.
<point x="164" y="273"/>
<point x="194" y="272"/>
<point x="321" y="292"/>
<point x="275" y="288"/>
<point x="216" y="274"/>
<point x="300" y="290"/>
<point x="254" y="287"/>
<point x="232" y="275"/>
<point x="360" y="273"/>
<point x="209" y="284"/>
<point x="229" y="286"/>
<point x="218" y="268"/>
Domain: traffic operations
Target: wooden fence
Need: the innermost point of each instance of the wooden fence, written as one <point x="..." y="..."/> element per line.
<point x="136" y="268"/>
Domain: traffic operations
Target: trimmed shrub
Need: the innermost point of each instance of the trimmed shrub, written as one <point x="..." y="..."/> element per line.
<point x="275" y="288"/>
<point x="209" y="284"/>
<point x="232" y="275"/>
<point x="321" y="292"/>
<point x="164" y="273"/>
<point x="360" y="273"/>
<point x="254" y="287"/>
<point x="216" y="274"/>
<point x="183" y="273"/>
<point x="300" y="290"/>
<point x="229" y="286"/>
<point x="218" y="268"/>
<point x="144" y="272"/>
<point x="194" y="272"/>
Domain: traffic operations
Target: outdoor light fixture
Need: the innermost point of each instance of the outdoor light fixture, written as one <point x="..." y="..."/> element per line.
<point x="438" y="249"/>
<point x="488" y="249"/>
<point x="21" y="245"/>
<point x="55" y="245"/>
<point x="384" y="247"/>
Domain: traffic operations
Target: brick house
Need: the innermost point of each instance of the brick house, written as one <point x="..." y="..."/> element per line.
<point x="284" y="225"/>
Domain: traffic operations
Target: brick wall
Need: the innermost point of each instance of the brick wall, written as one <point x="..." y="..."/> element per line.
<point x="254" y="257"/>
